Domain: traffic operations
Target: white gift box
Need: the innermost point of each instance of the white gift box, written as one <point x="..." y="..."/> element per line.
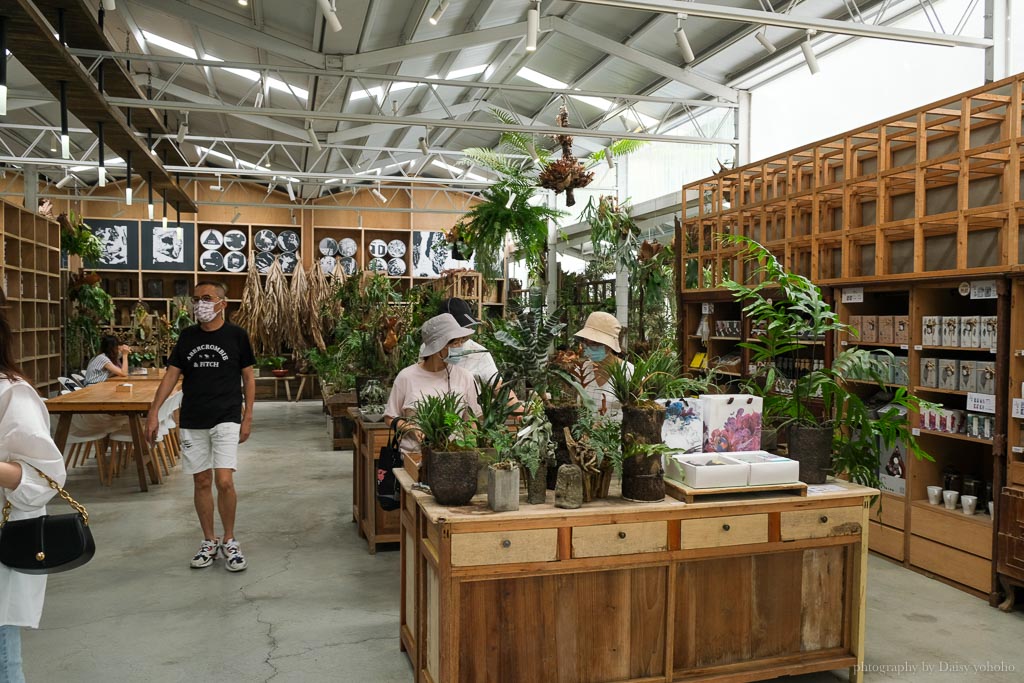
<point x="988" y="332"/>
<point x="949" y="374"/>
<point x="950" y="334"/>
<point x="930" y="335"/>
<point x="767" y="469"/>
<point x="695" y="471"/>
<point x="970" y="331"/>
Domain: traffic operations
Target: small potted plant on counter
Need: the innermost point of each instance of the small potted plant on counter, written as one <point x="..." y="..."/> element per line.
<point x="497" y="408"/>
<point x="373" y="399"/>
<point x="534" y="449"/>
<point x="449" y="439"/>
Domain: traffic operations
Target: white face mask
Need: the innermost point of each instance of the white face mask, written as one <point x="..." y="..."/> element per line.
<point x="205" y="311"/>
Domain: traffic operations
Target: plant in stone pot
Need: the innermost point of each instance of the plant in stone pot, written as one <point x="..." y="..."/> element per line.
<point x="449" y="447"/>
<point x="636" y="388"/>
<point x="595" y="446"/>
<point x="497" y="407"/>
<point x="373" y="398"/>
<point x="830" y="428"/>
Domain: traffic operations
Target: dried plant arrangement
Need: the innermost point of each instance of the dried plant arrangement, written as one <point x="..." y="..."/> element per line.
<point x="567" y="173"/>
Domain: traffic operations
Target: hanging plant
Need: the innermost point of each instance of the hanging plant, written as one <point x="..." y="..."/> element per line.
<point x="76" y="238"/>
<point x="567" y="173"/>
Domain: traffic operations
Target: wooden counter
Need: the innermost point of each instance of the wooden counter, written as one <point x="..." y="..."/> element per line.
<point x="745" y="588"/>
<point x="374" y="523"/>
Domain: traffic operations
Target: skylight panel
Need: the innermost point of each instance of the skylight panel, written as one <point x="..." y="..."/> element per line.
<point x="169" y="45"/>
<point x="468" y="71"/>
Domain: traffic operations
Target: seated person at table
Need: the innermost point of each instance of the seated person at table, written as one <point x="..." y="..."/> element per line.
<point x="102" y="366"/>
<point x="431" y="376"/>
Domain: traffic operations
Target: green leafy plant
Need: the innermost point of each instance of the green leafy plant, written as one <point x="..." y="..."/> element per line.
<point x="77" y="239"/>
<point x="497" y="407"/>
<point x="91" y="312"/>
<point x="533" y="443"/>
<point x="613" y="232"/>
<point x="786" y="309"/>
<point x="441" y="419"/>
<point x="270" y="362"/>
<point x="655" y="376"/>
<point x="601" y="437"/>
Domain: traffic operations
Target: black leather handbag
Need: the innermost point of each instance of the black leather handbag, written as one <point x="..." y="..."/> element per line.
<point x="389" y="492"/>
<point x="48" y="544"/>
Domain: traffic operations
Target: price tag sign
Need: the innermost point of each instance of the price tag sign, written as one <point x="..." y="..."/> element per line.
<point x="983" y="289"/>
<point x="981" y="403"/>
<point x="918" y="347"/>
<point x="1018" y="449"/>
<point x="915" y="431"/>
<point x="1018" y="408"/>
<point x="904" y="347"/>
<point x="707" y="308"/>
<point x="855" y="295"/>
<point x="844" y="343"/>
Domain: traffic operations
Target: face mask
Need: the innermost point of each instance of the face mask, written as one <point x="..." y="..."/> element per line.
<point x="455" y="355"/>
<point x="205" y="311"/>
<point x="596" y="354"/>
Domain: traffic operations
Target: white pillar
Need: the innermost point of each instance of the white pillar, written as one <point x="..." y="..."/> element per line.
<point x="998" y="28"/>
<point x="31" y="175"/>
<point x="551" y="295"/>
<point x="743" y="128"/>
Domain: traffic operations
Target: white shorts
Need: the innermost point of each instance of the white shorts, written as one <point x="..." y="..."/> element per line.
<point x="207" y="449"/>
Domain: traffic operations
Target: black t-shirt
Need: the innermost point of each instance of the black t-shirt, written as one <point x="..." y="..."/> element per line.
<point x="211" y="364"/>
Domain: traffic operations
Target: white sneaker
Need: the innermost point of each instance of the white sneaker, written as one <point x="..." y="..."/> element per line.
<point x="206" y="555"/>
<point x="233" y="554"/>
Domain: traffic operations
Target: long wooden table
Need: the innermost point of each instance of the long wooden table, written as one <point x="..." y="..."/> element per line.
<point x="103" y="397"/>
<point x="744" y="588"/>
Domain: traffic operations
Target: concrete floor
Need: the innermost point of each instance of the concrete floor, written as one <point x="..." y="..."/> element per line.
<point x="315" y="606"/>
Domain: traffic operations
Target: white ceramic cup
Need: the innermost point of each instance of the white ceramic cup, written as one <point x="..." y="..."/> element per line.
<point x="969" y="503"/>
<point x="935" y="495"/>
<point x="991" y="509"/>
<point x="950" y="498"/>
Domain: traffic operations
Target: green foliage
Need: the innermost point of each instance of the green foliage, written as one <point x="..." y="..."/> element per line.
<point x="331" y="368"/>
<point x="527" y="340"/>
<point x="655" y="376"/>
<point x="76" y="238"/>
<point x="790" y="308"/>
<point x="136" y="359"/>
<point x="635" y="449"/>
<point x="613" y="232"/>
<point x="533" y="443"/>
<point x="270" y="362"/>
<point x="496" y="408"/>
<point x="442" y="421"/>
<point x="91" y="311"/>
<point x="602" y="435"/>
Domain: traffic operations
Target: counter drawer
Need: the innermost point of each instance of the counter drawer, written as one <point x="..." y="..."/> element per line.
<point x="505" y="547"/>
<point x="619" y="539"/>
<point x="723" y="531"/>
<point x="800" y="524"/>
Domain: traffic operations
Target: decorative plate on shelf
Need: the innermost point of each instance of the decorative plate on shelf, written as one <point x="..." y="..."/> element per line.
<point x="288" y="241"/>
<point x="211" y="239"/>
<point x="288" y="261"/>
<point x="349" y="265"/>
<point x="265" y="240"/>
<point x="396" y="248"/>
<point x="211" y="261"/>
<point x="327" y="264"/>
<point x="378" y="264"/>
<point x="396" y="267"/>
<point x="328" y="246"/>
<point x="235" y="240"/>
<point x="264" y="260"/>
<point x="378" y="248"/>
<point x="234" y="262"/>
<point x="348" y="247"/>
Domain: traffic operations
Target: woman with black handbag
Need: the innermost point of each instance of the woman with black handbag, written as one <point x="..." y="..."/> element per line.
<point x="25" y="444"/>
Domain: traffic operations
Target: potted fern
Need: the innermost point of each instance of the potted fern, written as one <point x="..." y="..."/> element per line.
<point x="449" y="447"/>
<point x="497" y="407"/>
<point x="830" y="428"/>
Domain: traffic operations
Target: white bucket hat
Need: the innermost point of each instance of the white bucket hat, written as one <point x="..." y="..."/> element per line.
<point x="602" y="328"/>
<point x="438" y="331"/>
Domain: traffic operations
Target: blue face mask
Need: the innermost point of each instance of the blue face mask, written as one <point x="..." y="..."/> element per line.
<point x="455" y="355"/>
<point x="596" y="354"/>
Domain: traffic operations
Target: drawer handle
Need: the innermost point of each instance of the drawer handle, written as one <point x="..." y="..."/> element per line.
<point x="824" y="519"/>
<point x="506" y="543"/>
<point x="622" y="534"/>
<point x="726" y="527"/>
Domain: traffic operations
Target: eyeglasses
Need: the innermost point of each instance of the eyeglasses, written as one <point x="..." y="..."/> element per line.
<point x="206" y="297"/>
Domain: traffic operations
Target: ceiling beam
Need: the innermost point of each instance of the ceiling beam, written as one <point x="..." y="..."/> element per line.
<point x="850" y="28"/>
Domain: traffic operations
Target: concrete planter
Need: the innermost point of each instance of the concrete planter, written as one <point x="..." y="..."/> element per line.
<point x="503" y="489"/>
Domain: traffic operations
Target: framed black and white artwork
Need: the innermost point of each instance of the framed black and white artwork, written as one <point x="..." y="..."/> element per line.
<point x="119" y="241"/>
<point x="170" y="248"/>
<point x="432" y="255"/>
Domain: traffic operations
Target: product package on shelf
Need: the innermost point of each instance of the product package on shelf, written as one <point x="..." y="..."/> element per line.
<point x="901" y="371"/>
<point x="939" y="419"/>
<point x="855" y="333"/>
<point x="886" y="333"/>
<point x="979" y="425"/>
<point x="869" y="329"/>
<point x="988" y="331"/>
<point x="885" y="363"/>
<point x="950" y="334"/>
<point x="930" y="372"/>
<point x="732" y="422"/>
<point x="706" y="470"/>
<point x="968" y="376"/>
<point x="892" y="459"/>
<point x="970" y="331"/>
<point x="901" y="329"/>
<point x="930" y="330"/>
<point x="949" y="373"/>
<point x="683" y="428"/>
<point x="767" y="469"/>
<point x="986" y="372"/>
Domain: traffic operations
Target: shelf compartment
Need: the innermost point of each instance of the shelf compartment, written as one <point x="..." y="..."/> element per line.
<point x="958" y="437"/>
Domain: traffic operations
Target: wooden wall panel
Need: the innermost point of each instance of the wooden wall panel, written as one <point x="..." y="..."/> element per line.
<point x="712" y="621"/>
<point x="823" y="591"/>
<point x="776" y="619"/>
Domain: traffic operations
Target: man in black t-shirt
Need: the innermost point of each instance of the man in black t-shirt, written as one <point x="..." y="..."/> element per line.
<point x="214" y="360"/>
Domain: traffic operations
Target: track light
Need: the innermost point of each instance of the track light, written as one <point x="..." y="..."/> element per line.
<point x="311" y="134"/>
<point x="128" y="179"/>
<point x="762" y="37"/>
<point x="378" y="194"/>
<point x="291" y="192"/>
<point x="259" y="97"/>
<point x="65" y="139"/>
<point x="809" y="56"/>
<point x="238" y="214"/>
<point x="149" y="187"/>
<point x="532" y="27"/>
<point x="3" y="66"/>
<point x="164" y="222"/>
<point x="330" y="14"/>
<point x="109" y="5"/>
<point x="102" y="182"/>
<point x="62" y="183"/>
<point x="511" y="200"/>
<point x="424" y="147"/>
<point x="243" y="3"/>
<point x="182" y="130"/>
<point x="609" y="157"/>
<point x="682" y="41"/>
<point x="442" y="5"/>
<point x="218" y="187"/>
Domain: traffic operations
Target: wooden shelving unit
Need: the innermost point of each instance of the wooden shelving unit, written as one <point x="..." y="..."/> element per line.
<point x="30" y="277"/>
<point x="1010" y="508"/>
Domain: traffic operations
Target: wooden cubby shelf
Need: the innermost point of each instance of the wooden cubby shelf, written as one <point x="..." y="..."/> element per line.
<point x="958" y="437"/>
<point x="980" y="518"/>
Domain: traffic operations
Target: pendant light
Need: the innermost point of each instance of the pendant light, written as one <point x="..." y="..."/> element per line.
<point x="101" y="169"/>
<point x="442" y="5"/>
<point x="164" y="223"/>
<point x="149" y="186"/>
<point x="128" y="179"/>
<point x="330" y="12"/>
<point x="682" y="41"/>
<point x="3" y="66"/>
<point x="762" y="37"/>
<point x="65" y="139"/>
<point x="809" y="56"/>
<point x="532" y="27"/>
